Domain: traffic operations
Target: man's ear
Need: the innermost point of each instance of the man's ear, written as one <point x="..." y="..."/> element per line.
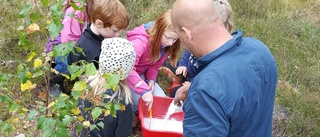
<point x="99" y="23"/>
<point x="188" y="33"/>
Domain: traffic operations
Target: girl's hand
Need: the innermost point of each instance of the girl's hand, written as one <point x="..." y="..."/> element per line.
<point x="148" y="99"/>
<point x="182" y="70"/>
<point x="151" y="85"/>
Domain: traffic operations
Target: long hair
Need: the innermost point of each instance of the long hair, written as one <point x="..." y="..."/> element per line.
<point x="97" y="82"/>
<point x="155" y="32"/>
<point x="110" y="12"/>
<point x="225" y="11"/>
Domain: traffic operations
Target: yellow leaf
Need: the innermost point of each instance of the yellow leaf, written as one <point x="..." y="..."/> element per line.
<point x="26" y="85"/>
<point x="16" y="120"/>
<point x="51" y="104"/>
<point x="33" y="86"/>
<point x="31" y="56"/>
<point x="86" y="123"/>
<point x="66" y="76"/>
<point x="25" y="109"/>
<point x="107" y="112"/>
<point x="37" y="63"/>
<point x="123" y="107"/>
<point x="80" y="118"/>
<point x="75" y="111"/>
<point x="32" y="28"/>
<point x="29" y="74"/>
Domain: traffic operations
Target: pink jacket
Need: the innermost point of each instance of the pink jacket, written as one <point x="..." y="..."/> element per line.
<point x="72" y="28"/>
<point x="143" y="66"/>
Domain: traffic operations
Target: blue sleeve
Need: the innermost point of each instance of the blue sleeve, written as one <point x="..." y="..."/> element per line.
<point x="200" y="106"/>
<point x="185" y="58"/>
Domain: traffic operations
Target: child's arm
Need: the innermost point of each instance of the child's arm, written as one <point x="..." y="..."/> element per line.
<point x="182" y="69"/>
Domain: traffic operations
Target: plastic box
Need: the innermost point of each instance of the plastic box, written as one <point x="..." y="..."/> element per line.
<point x="159" y="109"/>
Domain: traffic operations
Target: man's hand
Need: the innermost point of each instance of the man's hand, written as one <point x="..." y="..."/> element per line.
<point x="182" y="70"/>
<point x="148" y="99"/>
<point x="181" y="93"/>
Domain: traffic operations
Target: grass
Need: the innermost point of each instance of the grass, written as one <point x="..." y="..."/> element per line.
<point x="290" y="28"/>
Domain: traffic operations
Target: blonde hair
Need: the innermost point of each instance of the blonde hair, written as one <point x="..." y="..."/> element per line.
<point x="225" y="11"/>
<point x="155" y="32"/>
<point x="110" y="12"/>
<point x="97" y="82"/>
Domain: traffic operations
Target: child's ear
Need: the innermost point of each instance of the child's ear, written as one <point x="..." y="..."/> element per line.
<point x="99" y="23"/>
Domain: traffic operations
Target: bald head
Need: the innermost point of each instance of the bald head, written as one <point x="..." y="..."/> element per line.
<point x="193" y="13"/>
<point x="199" y="26"/>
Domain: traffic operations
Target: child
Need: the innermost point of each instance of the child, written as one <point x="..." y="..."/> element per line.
<point x="72" y="26"/>
<point x="117" y="57"/>
<point x="153" y="42"/>
<point x="107" y="18"/>
<point x="186" y="64"/>
<point x="72" y="30"/>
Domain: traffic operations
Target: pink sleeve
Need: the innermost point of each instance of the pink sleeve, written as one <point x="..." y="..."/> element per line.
<point x="72" y="29"/>
<point x="134" y="81"/>
<point x="152" y="71"/>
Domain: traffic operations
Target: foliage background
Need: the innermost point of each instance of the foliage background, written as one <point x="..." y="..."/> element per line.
<point x="290" y="28"/>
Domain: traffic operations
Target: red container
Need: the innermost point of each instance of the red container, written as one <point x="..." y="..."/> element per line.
<point x="159" y="109"/>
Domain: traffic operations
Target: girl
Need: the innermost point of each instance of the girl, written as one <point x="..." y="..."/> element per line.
<point x="153" y="42"/>
<point x="117" y="57"/>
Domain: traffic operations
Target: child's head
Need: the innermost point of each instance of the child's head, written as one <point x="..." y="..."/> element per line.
<point x="110" y="16"/>
<point x="117" y="57"/>
<point x="225" y="11"/>
<point x="162" y="35"/>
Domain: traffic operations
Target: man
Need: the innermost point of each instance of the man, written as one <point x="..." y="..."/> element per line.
<point x="234" y="89"/>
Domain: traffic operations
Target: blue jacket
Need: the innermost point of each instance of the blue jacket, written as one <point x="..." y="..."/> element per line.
<point x="233" y="93"/>
<point x="188" y="61"/>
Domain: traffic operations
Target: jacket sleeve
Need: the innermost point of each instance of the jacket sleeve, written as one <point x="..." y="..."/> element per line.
<point x="72" y="29"/>
<point x="152" y="71"/>
<point x="134" y="81"/>
<point x="185" y="58"/>
<point x="216" y="123"/>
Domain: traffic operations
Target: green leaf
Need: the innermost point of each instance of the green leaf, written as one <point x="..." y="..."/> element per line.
<point x="32" y="114"/>
<point x="112" y="81"/>
<point x="79" y="128"/>
<point x="61" y="101"/>
<point x="62" y="132"/>
<point x="96" y="112"/>
<point x="41" y="119"/>
<point x="45" y="3"/>
<point x="23" y="40"/>
<point x="101" y="124"/>
<point x="34" y="17"/>
<point x="75" y="71"/>
<point x="76" y="7"/>
<point x="54" y="30"/>
<point x="13" y="106"/>
<point x="93" y="126"/>
<point x="67" y="119"/>
<point x="7" y="127"/>
<point x="48" y="132"/>
<point x="76" y="94"/>
<point x="90" y="69"/>
<point x="63" y="50"/>
<point x="24" y="11"/>
<point x="4" y="98"/>
<point x="37" y="73"/>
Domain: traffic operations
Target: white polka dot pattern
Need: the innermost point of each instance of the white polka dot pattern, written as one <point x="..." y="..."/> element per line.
<point x="117" y="57"/>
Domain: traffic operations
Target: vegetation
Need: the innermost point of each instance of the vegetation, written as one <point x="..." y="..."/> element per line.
<point x="288" y="28"/>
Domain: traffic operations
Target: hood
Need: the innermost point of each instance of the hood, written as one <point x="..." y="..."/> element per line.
<point x="138" y="33"/>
